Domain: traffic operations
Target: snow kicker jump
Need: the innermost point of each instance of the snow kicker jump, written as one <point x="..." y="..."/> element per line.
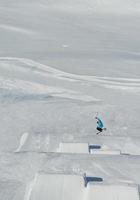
<point x="72" y="187"/>
<point x="86" y="148"/>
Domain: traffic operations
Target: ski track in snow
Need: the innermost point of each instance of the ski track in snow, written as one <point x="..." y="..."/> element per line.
<point x="23" y="140"/>
<point x="17" y="29"/>
<point x="30" y="187"/>
<point x="128" y="84"/>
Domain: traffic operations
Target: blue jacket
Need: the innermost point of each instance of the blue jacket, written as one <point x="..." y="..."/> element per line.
<point x="99" y="123"/>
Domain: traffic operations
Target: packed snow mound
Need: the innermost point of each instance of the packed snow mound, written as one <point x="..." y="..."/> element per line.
<point x="73" y="148"/>
<point x="38" y="142"/>
<point x="71" y="187"/>
<point x="85" y="148"/>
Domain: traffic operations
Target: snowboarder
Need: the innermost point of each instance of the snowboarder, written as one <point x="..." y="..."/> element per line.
<point x="100" y="126"/>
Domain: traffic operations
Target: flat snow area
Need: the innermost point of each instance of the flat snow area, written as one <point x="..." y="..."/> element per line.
<point x="110" y="152"/>
<point x="61" y="64"/>
<point x="113" y="192"/>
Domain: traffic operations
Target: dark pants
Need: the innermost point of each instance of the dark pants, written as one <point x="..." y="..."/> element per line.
<point x="99" y="129"/>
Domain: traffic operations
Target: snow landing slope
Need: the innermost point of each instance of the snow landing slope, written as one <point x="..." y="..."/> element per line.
<point x="42" y="107"/>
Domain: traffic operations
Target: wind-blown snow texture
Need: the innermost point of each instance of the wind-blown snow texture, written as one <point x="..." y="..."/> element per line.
<point x="61" y="62"/>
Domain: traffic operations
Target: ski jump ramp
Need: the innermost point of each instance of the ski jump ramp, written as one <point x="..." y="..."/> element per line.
<point x="73" y="148"/>
<point x="85" y="148"/>
<point x="72" y="187"/>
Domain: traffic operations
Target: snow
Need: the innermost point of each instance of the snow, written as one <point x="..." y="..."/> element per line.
<point x="61" y="186"/>
<point x="73" y="148"/>
<point x="61" y="62"/>
<point x="30" y="187"/>
<point x="58" y="187"/>
<point x="112" y="192"/>
<point x="22" y="141"/>
<point x="111" y="152"/>
<point x="12" y="28"/>
<point x="97" y="149"/>
<point x="85" y="148"/>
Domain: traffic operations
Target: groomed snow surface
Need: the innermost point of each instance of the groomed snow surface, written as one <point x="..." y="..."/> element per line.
<point x="85" y="148"/>
<point x="50" y="127"/>
<point x="73" y="148"/>
<point x="71" y="187"/>
<point x="61" y="63"/>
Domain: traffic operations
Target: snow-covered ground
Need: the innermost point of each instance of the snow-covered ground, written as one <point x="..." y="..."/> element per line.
<point x="61" y="62"/>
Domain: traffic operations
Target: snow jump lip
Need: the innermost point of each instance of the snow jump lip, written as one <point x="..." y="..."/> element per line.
<point x="85" y="148"/>
<point x="73" y="148"/>
<point x="33" y="143"/>
<point x="72" y="187"/>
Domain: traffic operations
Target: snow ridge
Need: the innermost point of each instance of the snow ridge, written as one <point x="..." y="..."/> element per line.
<point x="128" y="84"/>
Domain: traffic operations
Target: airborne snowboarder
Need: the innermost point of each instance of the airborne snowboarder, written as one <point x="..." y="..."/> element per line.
<point x="100" y="126"/>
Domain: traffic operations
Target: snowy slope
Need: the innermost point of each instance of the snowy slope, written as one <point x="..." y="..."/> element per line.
<point x="61" y="62"/>
<point x="83" y="37"/>
<point x="41" y="107"/>
<point x="59" y="188"/>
